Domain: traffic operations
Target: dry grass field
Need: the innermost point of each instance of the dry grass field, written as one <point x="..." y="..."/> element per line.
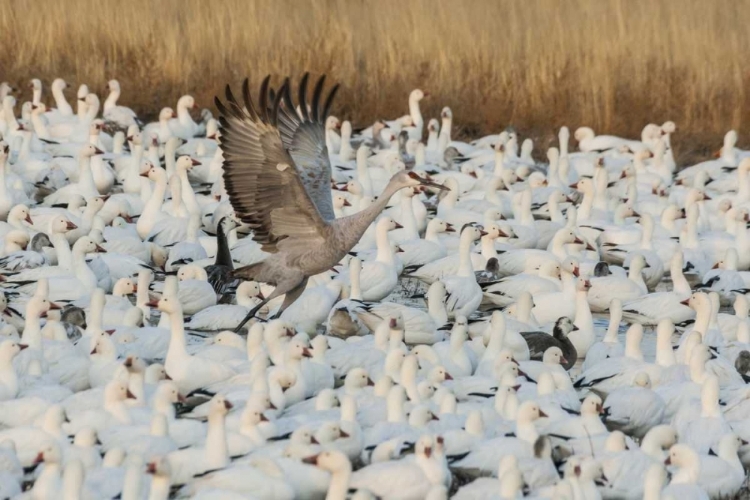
<point x="537" y="64"/>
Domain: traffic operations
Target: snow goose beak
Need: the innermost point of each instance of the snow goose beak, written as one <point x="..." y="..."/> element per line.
<point x="706" y="197"/>
<point x="392" y="323"/>
<point x="167" y="377"/>
<point x="600" y="409"/>
<point x="744" y="442"/>
<point x="128" y="218"/>
<point x="399" y="249"/>
<point x="228" y="405"/>
<point x="564" y="361"/>
<point x="22" y="346"/>
<point x="573" y="186"/>
<point x="128" y="362"/>
<point x="99" y="249"/>
<point x="575" y="328"/>
<point x="347" y="204"/>
<point x="428" y="451"/>
<point x="109" y="332"/>
<point x="434" y="417"/>
<point x="516" y="387"/>
<point x="70" y="226"/>
<point x="264" y="418"/>
<point x="28" y="219"/>
<point x="260" y="295"/>
<point x="152" y="303"/>
<point x="370" y="382"/>
<point x="482" y="232"/>
<point x="685" y="302"/>
<point x="715" y="266"/>
<point x="54" y="306"/>
<point x="313" y="440"/>
<point x="151" y="468"/>
<point x="344" y="188"/>
<point x="542" y="414"/>
<point x="668" y="461"/>
<point x="577" y="272"/>
<point x="502" y="233"/>
<point x="181" y="398"/>
<point x="313" y="460"/>
<point x="39" y="458"/>
<point x="448" y="376"/>
<point x="306" y="352"/>
<point x="473" y="174"/>
<point x="98" y="151"/>
<point x="717" y="153"/>
<point x="130" y="395"/>
<point x="578" y="240"/>
<point x="343" y="434"/>
<point x="93" y="351"/>
<point x="397" y="225"/>
<point x="449" y="228"/>
<point x="194" y="162"/>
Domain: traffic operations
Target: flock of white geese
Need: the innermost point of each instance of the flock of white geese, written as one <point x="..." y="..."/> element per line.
<point x="490" y="379"/>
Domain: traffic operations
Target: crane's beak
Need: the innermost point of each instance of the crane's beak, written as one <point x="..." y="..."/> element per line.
<point x="435" y="185"/>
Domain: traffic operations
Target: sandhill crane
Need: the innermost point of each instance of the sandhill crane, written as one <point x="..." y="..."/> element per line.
<point x="277" y="175"/>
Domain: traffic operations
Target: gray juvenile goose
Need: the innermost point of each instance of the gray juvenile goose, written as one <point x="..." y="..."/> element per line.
<point x="541" y="341"/>
<point x="278" y="176"/>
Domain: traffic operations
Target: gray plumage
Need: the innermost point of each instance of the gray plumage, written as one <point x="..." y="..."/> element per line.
<point x="490" y="274"/>
<point x="220" y="272"/>
<point x="742" y="365"/>
<point x="601" y="269"/>
<point x="278" y="175"/>
<point x="539" y="342"/>
<point x="74" y="319"/>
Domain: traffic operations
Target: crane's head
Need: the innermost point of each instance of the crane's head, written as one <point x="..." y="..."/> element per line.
<point x="411" y="179"/>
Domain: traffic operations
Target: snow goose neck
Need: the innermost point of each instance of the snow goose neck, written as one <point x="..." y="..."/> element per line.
<point x="188" y="372"/>
<point x="464" y="294"/>
<point x="49" y="484"/>
<point x="161" y="478"/>
<point x="340" y="468"/>
<point x="193" y="461"/>
<point x="8" y="378"/>
<point x="379" y="277"/>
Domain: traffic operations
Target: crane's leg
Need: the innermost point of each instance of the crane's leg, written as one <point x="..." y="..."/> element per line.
<point x="290" y="297"/>
<point x="252" y="313"/>
<point x="288" y="288"/>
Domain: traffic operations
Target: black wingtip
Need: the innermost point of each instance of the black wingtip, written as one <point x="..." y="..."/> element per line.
<point x="329" y="102"/>
<point x="302" y="96"/>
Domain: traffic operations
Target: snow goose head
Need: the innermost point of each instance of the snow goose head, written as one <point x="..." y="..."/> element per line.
<point x="8" y="350"/>
<point x="583" y="133"/>
<point x="554" y="356"/>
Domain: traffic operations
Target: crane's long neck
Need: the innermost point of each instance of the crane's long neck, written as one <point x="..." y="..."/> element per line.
<point x="352" y="228"/>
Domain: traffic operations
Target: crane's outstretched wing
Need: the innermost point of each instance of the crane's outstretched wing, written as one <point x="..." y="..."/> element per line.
<point x="303" y="135"/>
<point x="263" y="181"/>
